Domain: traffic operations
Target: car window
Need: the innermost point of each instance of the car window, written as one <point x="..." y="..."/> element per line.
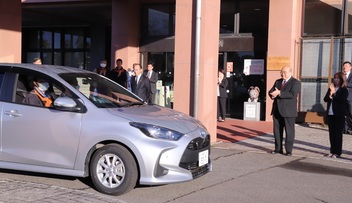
<point x="101" y="91"/>
<point x="1" y="78"/>
<point x="38" y="90"/>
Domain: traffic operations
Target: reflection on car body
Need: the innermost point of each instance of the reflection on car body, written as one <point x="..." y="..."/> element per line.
<point x="96" y="128"/>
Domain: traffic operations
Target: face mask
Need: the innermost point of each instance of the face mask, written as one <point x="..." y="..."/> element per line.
<point x="44" y="86"/>
<point x="103" y="65"/>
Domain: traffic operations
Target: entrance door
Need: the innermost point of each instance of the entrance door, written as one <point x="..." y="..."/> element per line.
<point x="239" y="83"/>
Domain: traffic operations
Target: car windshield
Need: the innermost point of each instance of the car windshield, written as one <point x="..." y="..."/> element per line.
<point x="101" y="91"/>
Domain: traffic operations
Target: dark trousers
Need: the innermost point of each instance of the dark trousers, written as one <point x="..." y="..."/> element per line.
<point x="348" y="121"/>
<point x="281" y="123"/>
<point x="151" y="99"/>
<point x="336" y="125"/>
<point x="222" y="107"/>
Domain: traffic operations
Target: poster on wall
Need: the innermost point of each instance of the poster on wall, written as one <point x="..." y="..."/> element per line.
<point x="229" y="69"/>
<point x="253" y="67"/>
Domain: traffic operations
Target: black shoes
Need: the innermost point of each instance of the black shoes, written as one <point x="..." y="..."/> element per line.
<point x="280" y="152"/>
<point x="277" y="152"/>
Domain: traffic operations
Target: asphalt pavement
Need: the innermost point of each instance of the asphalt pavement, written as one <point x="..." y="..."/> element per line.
<point x="243" y="171"/>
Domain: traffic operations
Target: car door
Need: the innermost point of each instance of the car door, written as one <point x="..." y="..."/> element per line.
<point x="38" y="135"/>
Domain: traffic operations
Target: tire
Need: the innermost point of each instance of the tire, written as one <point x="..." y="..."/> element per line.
<point x="113" y="170"/>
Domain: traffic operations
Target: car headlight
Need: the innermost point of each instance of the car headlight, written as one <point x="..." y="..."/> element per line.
<point x="157" y="132"/>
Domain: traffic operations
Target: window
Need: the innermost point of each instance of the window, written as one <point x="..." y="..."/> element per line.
<point x="66" y="46"/>
<point x="349" y="17"/>
<point x="37" y="90"/>
<point x="328" y="12"/>
<point x="244" y="16"/>
<point x="158" y="20"/>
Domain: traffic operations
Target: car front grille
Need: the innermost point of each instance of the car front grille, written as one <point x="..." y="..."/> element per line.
<point x="199" y="143"/>
<point x="189" y="160"/>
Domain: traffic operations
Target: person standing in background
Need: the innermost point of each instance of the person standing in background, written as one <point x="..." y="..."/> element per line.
<point x="140" y="83"/>
<point x="222" y="95"/>
<point x="336" y="98"/>
<point x="153" y="79"/>
<point x="130" y="73"/>
<point x="346" y="67"/>
<point x="37" y="61"/>
<point x="284" y="111"/>
<point x="102" y="69"/>
<point x="119" y="74"/>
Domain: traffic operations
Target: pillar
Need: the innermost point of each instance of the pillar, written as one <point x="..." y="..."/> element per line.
<point x="285" y="19"/>
<point x="125" y="32"/>
<point x="10" y="31"/>
<point x="184" y="74"/>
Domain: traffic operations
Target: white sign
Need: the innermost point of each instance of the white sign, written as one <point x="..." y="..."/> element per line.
<point x="253" y="67"/>
<point x="203" y="158"/>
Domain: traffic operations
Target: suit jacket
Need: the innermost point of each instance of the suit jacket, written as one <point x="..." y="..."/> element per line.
<point x="286" y="102"/>
<point x="222" y="88"/>
<point x="349" y="87"/>
<point x="338" y="101"/>
<point x="142" y="89"/>
<point x="153" y="79"/>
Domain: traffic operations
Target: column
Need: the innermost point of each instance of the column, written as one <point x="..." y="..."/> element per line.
<point x="10" y="31"/>
<point x="184" y="75"/>
<point x="284" y="32"/>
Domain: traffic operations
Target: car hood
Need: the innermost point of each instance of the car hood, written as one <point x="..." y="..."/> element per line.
<point x="160" y="116"/>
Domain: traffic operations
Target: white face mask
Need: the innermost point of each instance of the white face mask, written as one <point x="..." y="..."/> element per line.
<point x="44" y="86"/>
<point x="103" y="65"/>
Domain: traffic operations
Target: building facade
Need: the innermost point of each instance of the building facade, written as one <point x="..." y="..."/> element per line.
<point x="188" y="41"/>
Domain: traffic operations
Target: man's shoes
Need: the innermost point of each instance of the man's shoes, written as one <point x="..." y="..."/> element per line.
<point x="288" y="154"/>
<point x="277" y="152"/>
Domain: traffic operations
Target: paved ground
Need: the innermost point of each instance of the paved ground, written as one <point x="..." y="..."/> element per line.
<point x="311" y="142"/>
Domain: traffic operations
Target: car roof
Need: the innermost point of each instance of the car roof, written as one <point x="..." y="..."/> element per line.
<point x="47" y="69"/>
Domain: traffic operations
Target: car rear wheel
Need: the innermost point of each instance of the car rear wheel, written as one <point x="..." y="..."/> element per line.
<point x="113" y="170"/>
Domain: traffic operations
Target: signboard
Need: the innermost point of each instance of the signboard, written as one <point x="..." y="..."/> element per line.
<point x="276" y="63"/>
<point x="229" y="67"/>
<point x="251" y="111"/>
<point x="253" y="67"/>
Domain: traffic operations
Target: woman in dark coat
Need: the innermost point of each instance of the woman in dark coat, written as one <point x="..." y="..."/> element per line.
<point x="336" y="98"/>
<point x="222" y="95"/>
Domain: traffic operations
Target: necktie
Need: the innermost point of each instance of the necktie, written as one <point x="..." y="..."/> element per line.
<point x="149" y="74"/>
<point x="136" y="79"/>
<point x="283" y="84"/>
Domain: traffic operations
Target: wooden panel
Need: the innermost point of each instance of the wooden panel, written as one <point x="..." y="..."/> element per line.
<point x="276" y="63"/>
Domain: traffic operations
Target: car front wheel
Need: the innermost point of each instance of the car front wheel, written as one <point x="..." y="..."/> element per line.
<point x="113" y="170"/>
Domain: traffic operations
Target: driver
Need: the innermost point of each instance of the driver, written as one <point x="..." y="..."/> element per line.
<point x="38" y="96"/>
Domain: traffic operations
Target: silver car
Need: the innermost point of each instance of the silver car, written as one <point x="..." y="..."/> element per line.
<point x="91" y="126"/>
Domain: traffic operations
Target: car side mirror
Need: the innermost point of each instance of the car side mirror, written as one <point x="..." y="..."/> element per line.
<point x="66" y="104"/>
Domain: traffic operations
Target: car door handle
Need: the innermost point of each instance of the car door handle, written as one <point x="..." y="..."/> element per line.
<point x="13" y="113"/>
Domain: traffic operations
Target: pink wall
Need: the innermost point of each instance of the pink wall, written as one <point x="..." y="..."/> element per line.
<point x="284" y="33"/>
<point x="184" y="61"/>
<point x="10" y="31"/>
<point x="125" y="32"/>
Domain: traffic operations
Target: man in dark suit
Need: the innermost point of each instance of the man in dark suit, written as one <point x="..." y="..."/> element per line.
<point x="346" y="67"/>
<point x="140" y="83"/>
<point x="284" y="111"/>
<point x="153" y="78"/>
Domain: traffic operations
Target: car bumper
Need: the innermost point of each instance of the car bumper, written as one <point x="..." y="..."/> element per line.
<point x="179" y="164"/>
